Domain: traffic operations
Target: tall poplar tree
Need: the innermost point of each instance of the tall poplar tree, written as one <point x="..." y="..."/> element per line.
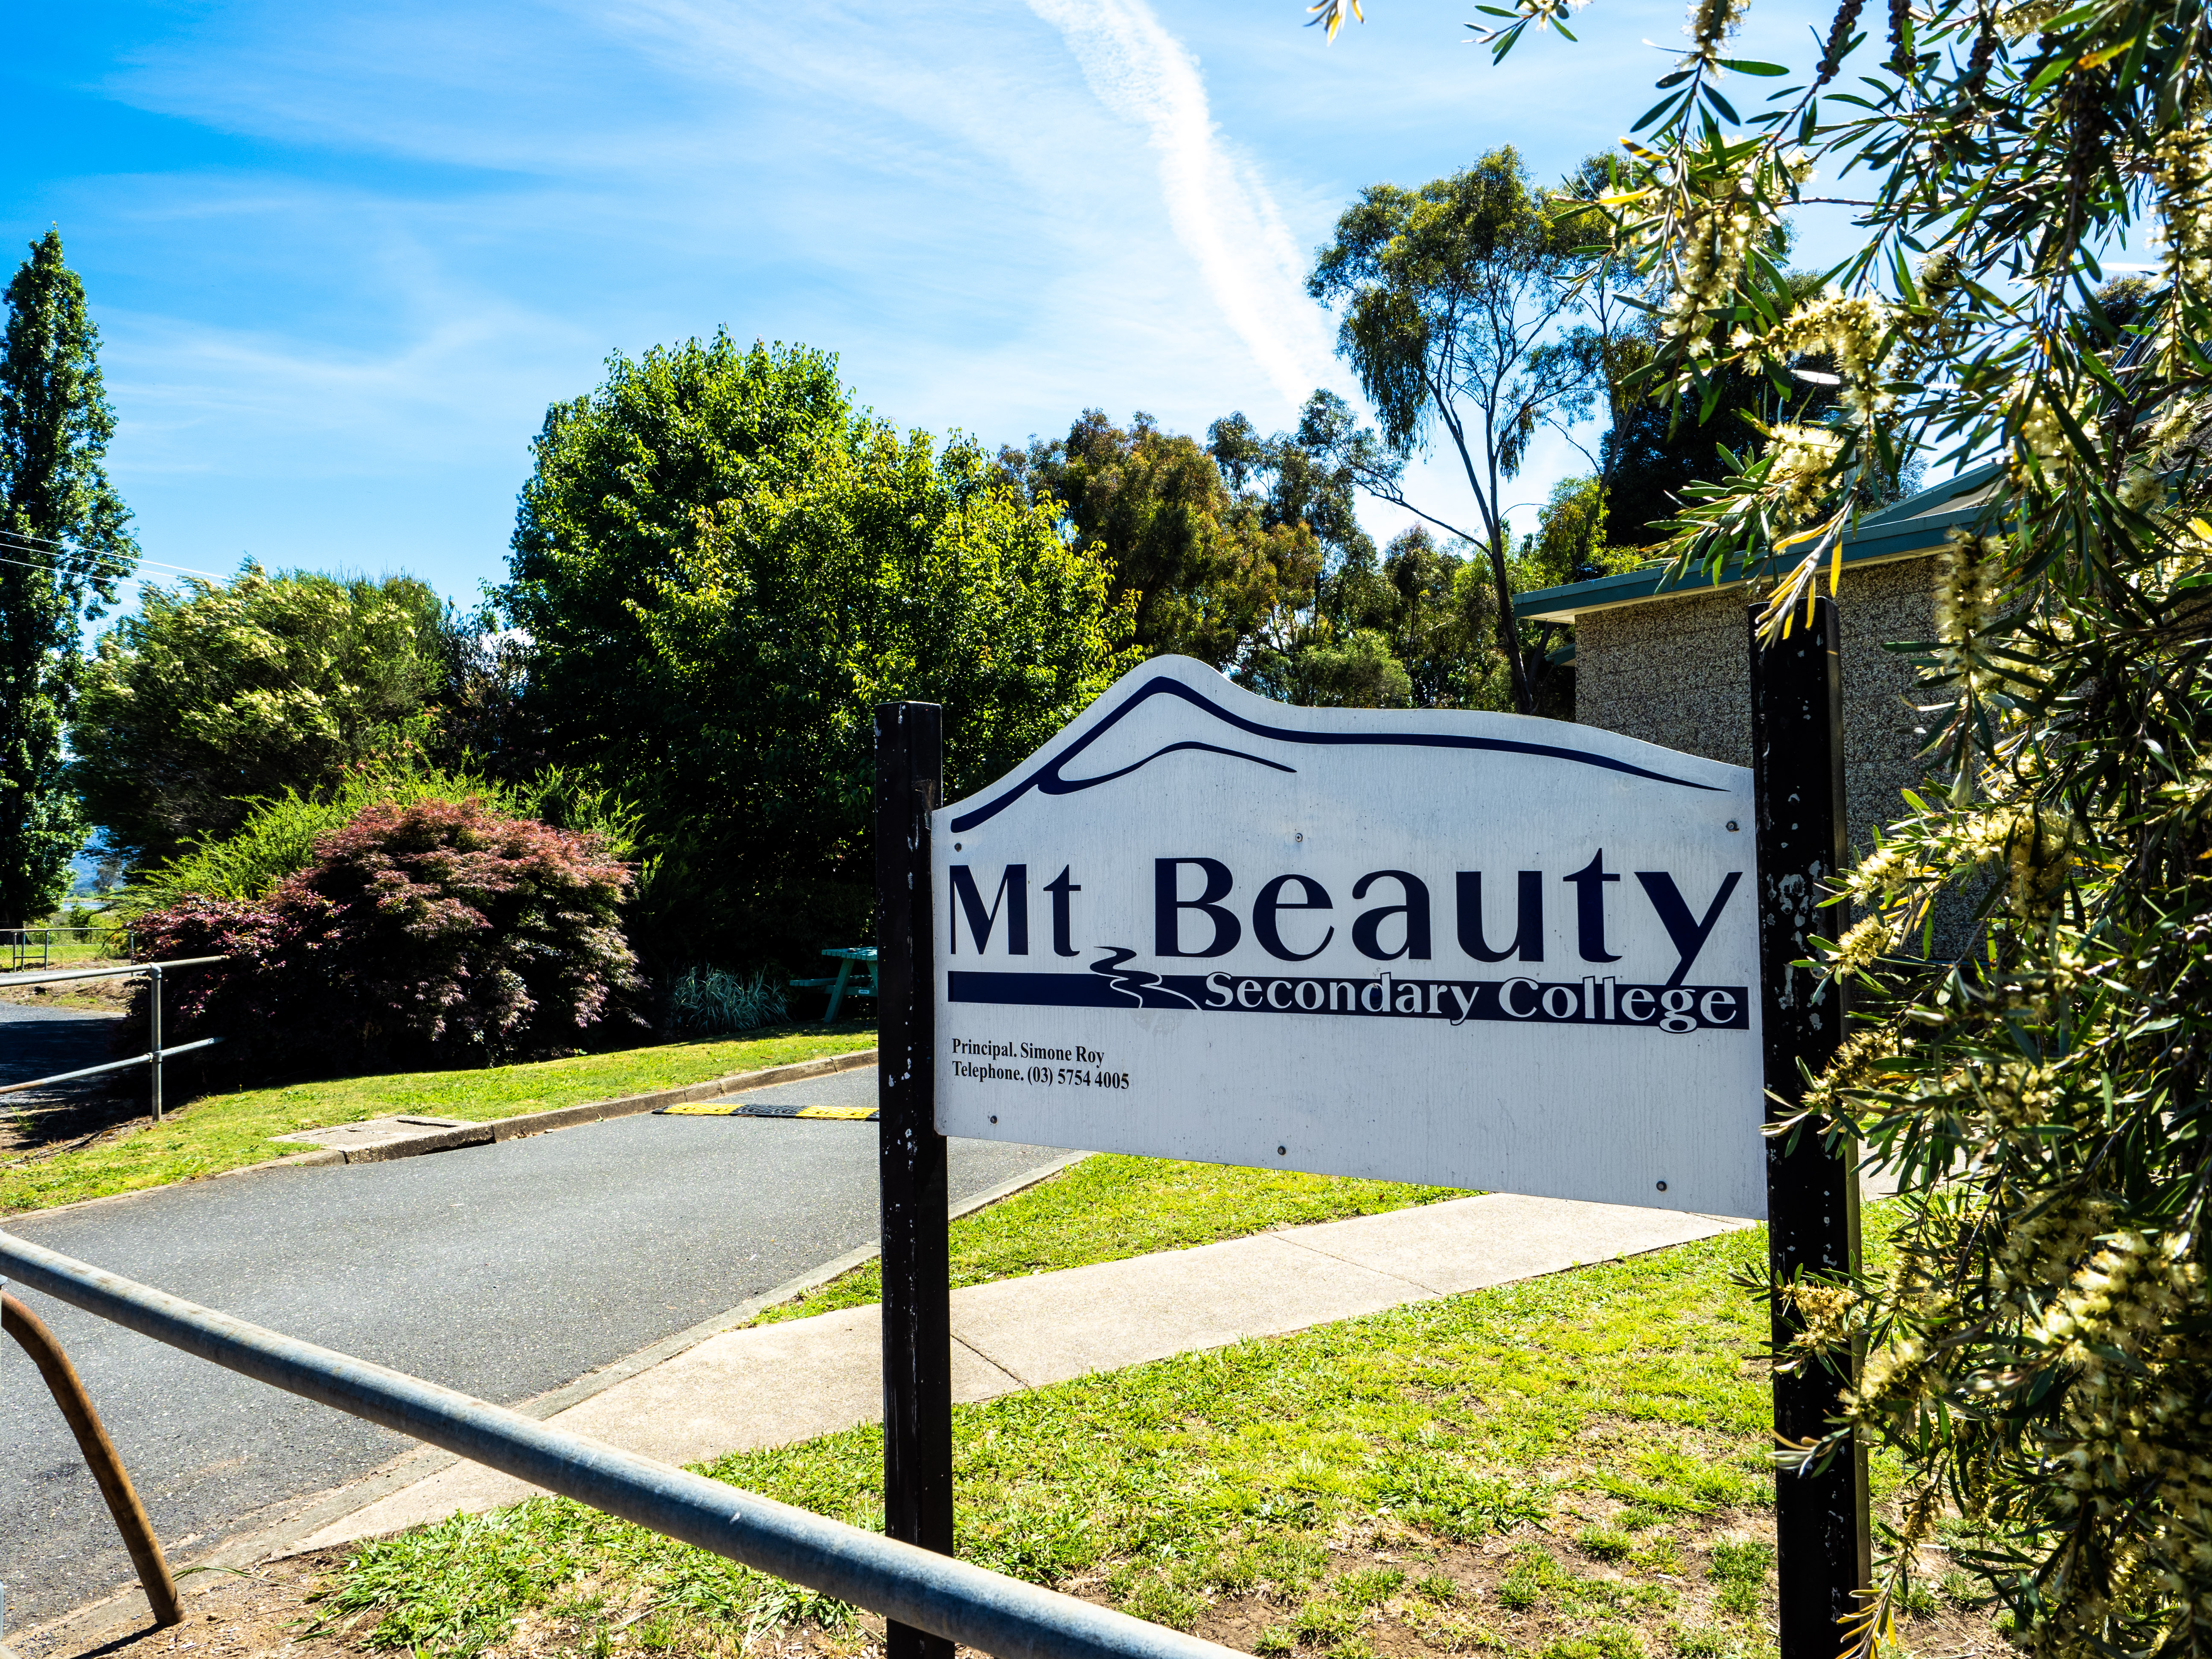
<point x="64" y="544"/>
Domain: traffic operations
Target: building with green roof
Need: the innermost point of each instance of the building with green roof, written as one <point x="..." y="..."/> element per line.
<point x="1671" y="666"/>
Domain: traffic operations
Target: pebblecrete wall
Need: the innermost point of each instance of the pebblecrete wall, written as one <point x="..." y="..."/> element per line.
<point x="1677" y="671"/>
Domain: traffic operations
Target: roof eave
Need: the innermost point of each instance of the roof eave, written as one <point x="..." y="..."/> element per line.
<point x="1883" y="537"/>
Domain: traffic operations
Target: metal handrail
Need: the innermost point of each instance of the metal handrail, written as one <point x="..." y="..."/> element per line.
<point x="156" y="1051"/>
<point x="16" y="941"/>
<point x="950" y="1598"/>
<point x="10" y="980"/>
<point x="111" y="1066"/>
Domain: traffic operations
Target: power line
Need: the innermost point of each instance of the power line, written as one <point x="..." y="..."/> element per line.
<point x="25" y="539"/>
<point x="21" y="536"/>
<point x="125" y="567"/>
<point x="47" y="569"/>
<point x="26" y="536"/>
<point x="25" y="564"/>
<point x="29" y="540"/>
<point x="44" y="541"/>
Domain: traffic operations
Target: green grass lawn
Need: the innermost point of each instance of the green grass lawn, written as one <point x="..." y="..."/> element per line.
<point x="228" y="1131"/>
<point x="1108" y="1208"/>
<point x="1571" y="1468"/>
<point x="61" y="958"/>
<point x="55" y="955"/>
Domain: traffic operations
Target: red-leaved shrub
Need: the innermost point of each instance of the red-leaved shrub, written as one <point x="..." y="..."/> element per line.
<point x="426" y="935"/>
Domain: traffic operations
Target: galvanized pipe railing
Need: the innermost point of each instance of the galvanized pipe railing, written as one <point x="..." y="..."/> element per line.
<point x="9" y="981"/>
<point x="968" y="1604"/>
<point x="155" y="1053"/>
<point x="16" y="941"/>
<point x="111" y="1066"/>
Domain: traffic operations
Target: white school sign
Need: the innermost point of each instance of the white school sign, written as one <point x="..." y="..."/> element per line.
<point x="1464" y="948"/>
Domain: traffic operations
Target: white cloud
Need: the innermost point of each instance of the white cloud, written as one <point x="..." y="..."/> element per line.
<point x="1221" y="209"/>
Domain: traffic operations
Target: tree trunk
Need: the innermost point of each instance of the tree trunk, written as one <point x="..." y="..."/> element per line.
<point x="1509" y="632"/>
<point x="1508" y="636"/>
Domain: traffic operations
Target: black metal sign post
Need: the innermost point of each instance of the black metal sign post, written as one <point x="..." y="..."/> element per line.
<point x="1823" y="1553"/>
<point x="917" y="1293"/>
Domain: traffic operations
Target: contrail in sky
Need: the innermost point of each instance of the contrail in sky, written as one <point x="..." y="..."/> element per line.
<point x="1221" y="210"/>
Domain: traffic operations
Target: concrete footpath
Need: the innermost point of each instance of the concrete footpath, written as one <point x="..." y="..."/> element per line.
<point x="774" y="1384"/>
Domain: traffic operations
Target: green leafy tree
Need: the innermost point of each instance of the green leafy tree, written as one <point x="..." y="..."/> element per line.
<point x="485" y="727"/>
<point x="1653" y="445"/>
<point x="1204" y="568"/>
<point x="1307" y="650"/>
<point x="1288" y="483"/>
<point x="64" y="545"/>
<point x="1412" y="626"/>
<point x="1396" y="596"/>
<point x="1571" y="540"/>
<point x="213" y="694"/>
<point x="1434" y="604"/>
<point x="1662" y="440"/>
<point x="1656" y="448"/>
<point x="721" y="567"/>
<point x="1334" y="669"/>
<point x="1455" y="301"/>
<point x="2039" y="1353"/>
<point x="1657" y="441"/>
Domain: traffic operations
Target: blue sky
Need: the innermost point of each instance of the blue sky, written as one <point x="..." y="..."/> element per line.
<point x="343" y="256"/>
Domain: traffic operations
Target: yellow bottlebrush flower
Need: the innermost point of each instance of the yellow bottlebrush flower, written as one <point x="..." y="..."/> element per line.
<point x="1804" y="458"/>
<point x="1967" y="575"/>
<point x="1711" y="22"/>
<point x="1859" y="948"/>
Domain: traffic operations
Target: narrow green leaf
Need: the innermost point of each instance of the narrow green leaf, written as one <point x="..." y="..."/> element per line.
<point x="2043" y="81"/>
<point x="1905" y="284"/>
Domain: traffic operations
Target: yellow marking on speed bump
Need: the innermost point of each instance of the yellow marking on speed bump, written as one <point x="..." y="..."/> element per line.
<point x="739" y="1109"/>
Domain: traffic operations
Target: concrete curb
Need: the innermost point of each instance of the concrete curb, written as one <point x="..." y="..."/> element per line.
<point x="566" y="1117"/>
<point x="112" y="1614"/>
<point x="499" y="1129"/>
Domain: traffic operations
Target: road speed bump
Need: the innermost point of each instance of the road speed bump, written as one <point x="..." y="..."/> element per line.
<point x="753" y="1109"/>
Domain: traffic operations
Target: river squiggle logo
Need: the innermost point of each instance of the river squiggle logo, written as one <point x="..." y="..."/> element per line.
<point x="1146" y="990"/>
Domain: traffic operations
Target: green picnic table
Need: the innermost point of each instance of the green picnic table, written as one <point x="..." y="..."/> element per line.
<point x="841" y="984"/>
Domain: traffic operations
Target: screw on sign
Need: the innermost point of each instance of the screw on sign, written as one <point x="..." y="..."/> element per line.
<point x="1116" y="947"/>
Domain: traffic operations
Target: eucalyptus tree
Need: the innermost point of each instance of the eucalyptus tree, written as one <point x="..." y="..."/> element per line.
<point x="2040" y="1352"/>
<point x="1454" y="298"/>
<point x="65" y="547"/>
<point x="1358" y="592"/>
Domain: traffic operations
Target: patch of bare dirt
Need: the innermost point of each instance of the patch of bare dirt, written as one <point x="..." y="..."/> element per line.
<point x="98" y="996"/>
<point x="259" y="1614"/>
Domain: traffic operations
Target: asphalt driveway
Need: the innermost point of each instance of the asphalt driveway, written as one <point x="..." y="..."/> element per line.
<point x="504" y="1271"/>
